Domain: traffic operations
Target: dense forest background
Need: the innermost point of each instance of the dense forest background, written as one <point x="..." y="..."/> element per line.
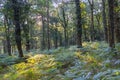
<point x="86" y="31"/>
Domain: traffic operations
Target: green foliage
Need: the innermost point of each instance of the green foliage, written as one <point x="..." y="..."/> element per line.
<point x="117" y="46"/>
<point x="108" y="75"/>
<point x="87" y="63"/>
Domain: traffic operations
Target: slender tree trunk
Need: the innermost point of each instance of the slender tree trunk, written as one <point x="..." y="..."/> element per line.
<point x="92" y="31"/>
<point x="65" y="37"/>
<point x="48" y="29"/>
<point x="79" y="24"/>
<point x="98" y="27"/>
<point x="65" y="27"/>
<point x="56" y="37"/>
<point x="43" y="33"/>
<point x="92" y="24"/>
<point x="60" y="39"/>
<point x="111" y="23"/>
<point x="4" y="46"/>
<point x="8" y="35"/>
<point x="104" y="21"/>
<point x="64" y="22"/>
<point x="16" y="13"/>
<point x="117" y="22"/>
<point x="117" y="30"/>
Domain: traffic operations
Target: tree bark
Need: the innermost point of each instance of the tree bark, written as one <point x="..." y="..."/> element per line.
<point x="43" y="33"/>
<point x="48" y="29"/>
<point x="16" y="15"/>
<point x="98" y="36"/>
<point x="117" y="22"/>
<point x="65" y="27"/>
<point x="92" y="31"/>
<point x="56" y="37"/>
<point x="111" y="23"/>
<point x="4" y="46"/>
<point x="104" y="21"/>
<point x="79" y="24"/>
<point x="7" y="27"/>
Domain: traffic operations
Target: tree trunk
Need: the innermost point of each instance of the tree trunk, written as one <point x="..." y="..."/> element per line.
<point x="43" y="34"/>
<point x="7" y="35"/>
<point x="98" y="36"/>
<point x="4" y="46"/>
<point x="56" y="37"/>
<point x="65" y="37"/>
<point x="117" y="22"/>
<point x="111" y="23"/>
<point x="60" y="39"/>
<point x="48" y="29"/>
<point x="104" y="21"/>
<point x="92" y="24"/>
<point x="65" y="27"/>
<point x="92" y="31"/>
<point x="16" y="14"/>
<point x="79" y="24"/>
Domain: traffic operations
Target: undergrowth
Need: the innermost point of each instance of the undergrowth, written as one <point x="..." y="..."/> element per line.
<point x="95" y="61"/>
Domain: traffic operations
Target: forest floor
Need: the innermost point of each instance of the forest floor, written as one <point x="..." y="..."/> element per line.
<point x="95" y="61"/>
